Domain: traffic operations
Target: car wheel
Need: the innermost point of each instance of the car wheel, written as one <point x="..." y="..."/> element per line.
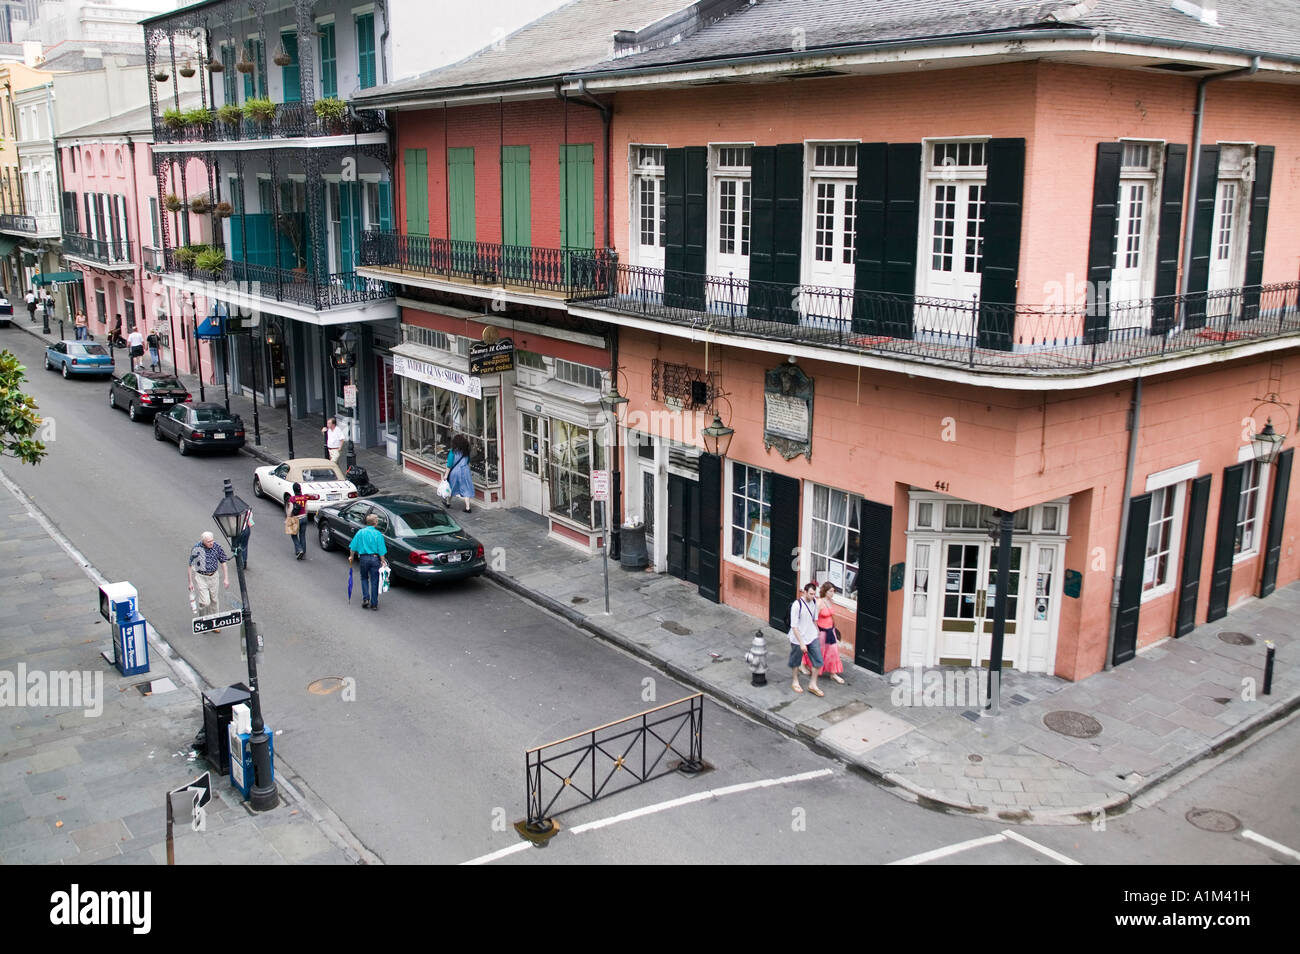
<point x="112" y="398"/>
<point x="130" y="411"/>
<point x="326" y="538"/>
<point x="65" y="372"/>
<point x="48" y="367"/>
<point x="182" y="446"/>
<point x="157" y="432"/>
<point x="257" y="486"/>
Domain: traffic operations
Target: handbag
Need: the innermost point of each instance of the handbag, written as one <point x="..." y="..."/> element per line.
<point x="291" y="526"/>
<point x="832" y="635"/>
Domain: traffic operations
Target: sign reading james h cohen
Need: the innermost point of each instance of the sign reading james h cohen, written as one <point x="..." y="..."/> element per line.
<point x="788" y="411"/>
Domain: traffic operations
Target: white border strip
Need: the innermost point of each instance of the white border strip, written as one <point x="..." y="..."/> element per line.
<point x="1271" y="844"/>
<point x="944" y="852"/>
<point x="1041" y="849"/>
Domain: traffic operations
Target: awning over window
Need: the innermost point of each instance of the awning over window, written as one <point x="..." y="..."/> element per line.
<point x="7" y="245"/>
<point x="58" y="278"/>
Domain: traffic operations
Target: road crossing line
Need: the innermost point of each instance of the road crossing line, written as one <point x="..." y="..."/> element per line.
<point x="1271" y="844"/>
<point x="1005" y="835"/>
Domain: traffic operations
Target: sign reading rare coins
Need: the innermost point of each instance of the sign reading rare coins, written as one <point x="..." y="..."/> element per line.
<point x="492" y="358"/>
<point x="788" y="411"/>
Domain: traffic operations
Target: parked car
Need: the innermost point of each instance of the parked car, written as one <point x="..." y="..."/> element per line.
<point x="145" y="393"/>
<point x="424" y="543"/>
<point x="78" y="357"/>
<point x="193" y="426"/>
<point x="6" y="312"/>
<point x="322" y="482"/>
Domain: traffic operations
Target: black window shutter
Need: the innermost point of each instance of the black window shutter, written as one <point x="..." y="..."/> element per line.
<point x="710" y="525"/>
<point x="872" y="584"/>
<point x="695" y="239"/>
<point x="762" y="215"/>
<point x="1276" y="521"/>
<point x="902" y="223"/>
<point x="1207" y="186"/>
<point x="870" y="310"/>
<point x="787" y="231"/>
<point x="1164" y="315"/>
<point x="783" y="561"/>
<point x="1130" y="581"/>
<point x="674" y="226"/>
<point x="1221" y="580"/>
<point x="677" y="526"/>
<point x="1189" y="585"/>
<point x="1101" y="240"/>
<point x="1258" y="229"/>
<point x="1003" y="198"/>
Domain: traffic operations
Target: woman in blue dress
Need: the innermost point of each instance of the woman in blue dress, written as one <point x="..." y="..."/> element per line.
<point x="458" y="475"/>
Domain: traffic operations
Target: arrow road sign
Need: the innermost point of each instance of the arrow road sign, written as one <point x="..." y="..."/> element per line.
<point x="202" y="789"/>
<point x="206" y="624"/>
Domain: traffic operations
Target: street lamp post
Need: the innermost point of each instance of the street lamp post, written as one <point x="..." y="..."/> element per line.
<point x="232" y="516"/>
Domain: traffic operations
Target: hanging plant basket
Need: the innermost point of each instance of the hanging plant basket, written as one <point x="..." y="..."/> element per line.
<point x="245" y="65"/>
<point x="216" y="66"/>
<point x="225" y="210"/>
<point x="282" y="57"/>
<point x="173" y="203"/>
<point x="162" y="76"/>
<point x="186" y="69"/>
<point x="200" y="206"/>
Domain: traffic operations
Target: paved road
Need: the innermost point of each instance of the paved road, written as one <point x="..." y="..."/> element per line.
<point x="452" y="685"/>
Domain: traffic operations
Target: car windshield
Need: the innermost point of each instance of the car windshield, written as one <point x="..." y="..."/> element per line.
<point x="318" y="474"/>
<point x="150" y="384"/>
<point x="87" y="349"/>
<point x="422" y="523"/>
<point x="209" y="415"/>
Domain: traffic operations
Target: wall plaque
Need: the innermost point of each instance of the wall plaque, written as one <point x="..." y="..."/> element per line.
<point x="788" y="411"/>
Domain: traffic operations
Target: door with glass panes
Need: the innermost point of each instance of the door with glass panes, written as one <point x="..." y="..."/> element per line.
<point x="970" y="575"/>
<point x="534" y="431"/>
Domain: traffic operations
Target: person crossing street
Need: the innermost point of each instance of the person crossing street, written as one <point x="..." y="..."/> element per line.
<point x="206" y="557"/>
<point x="371" y="550"/>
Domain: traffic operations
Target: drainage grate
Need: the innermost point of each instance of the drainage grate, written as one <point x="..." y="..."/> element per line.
<point x="677" y="629"/>
<point x="1077" y="725"/>
<point x="1237" y="639"/>
<point x="1211" y="819"/>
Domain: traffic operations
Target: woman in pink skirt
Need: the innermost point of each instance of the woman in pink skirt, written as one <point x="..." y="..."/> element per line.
<point x="831" y="663"/>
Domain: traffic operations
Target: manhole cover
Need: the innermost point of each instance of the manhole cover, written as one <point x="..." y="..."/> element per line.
<point x="677" y="629"/>
<point x="1077" y="725"/>
<point x="1211" y="819"/>
<point x="323" y="687"/>
<point x="975" y="758"/>
<point x="1237" y="639"/>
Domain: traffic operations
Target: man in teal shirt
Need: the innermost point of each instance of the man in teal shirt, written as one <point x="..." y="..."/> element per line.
<point x="372" y="551"/>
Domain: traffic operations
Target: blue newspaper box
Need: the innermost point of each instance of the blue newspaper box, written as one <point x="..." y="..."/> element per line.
<point x="131" y="645"/>
<point x="241" y="759"/>
<point x="117" y="602"/>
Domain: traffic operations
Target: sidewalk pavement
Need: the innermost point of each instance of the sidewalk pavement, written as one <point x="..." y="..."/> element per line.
<point x="1176" y="703"/>
<point x="84" y="787"/>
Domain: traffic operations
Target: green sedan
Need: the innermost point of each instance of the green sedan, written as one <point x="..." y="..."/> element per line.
<point x="424" y="543"/>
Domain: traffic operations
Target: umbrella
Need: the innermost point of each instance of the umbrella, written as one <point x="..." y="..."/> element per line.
<point x="349" y="582"/>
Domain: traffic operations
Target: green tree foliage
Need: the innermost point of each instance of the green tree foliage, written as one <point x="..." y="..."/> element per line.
<point x="19" y="421"/>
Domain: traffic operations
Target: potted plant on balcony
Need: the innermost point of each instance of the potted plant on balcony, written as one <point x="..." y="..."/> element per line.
<point x="200" y="205"/>
<point x="260" y="109"/>
<point x="200" y="118"/>
<point x="186" y="69"/>
<point x="231" y="114"/>
<point x="289" y="224"/>
<point x="173" y="119"/>
<point x="282" y="57"/>
<point x="173" y="203"/>
<point x="211" y="260"/>
<point x="216" y="66"/>
<point x="185" y="256"/>
<point x="161" y="75"/>
<point x="245" y="65"/>
<point x="224" y="210"/>
<point x="331" y="112"/>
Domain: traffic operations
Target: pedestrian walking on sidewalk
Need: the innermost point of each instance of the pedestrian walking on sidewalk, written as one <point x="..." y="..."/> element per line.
<point x="206" y="557"/>
<point x="152" y="341"/>
<point x="136" y="342"/>
<point x="371" y="550"/>
<point x="805" y="637"/>
<point x="81" y="326"/>
<point x="459" y="480"/>
<point x="47" y="305"/>
<point x="828" y="640"/>
<point x="333" y="439"/>
<point x="31" y="304"/>
<point x="295" y="520"/>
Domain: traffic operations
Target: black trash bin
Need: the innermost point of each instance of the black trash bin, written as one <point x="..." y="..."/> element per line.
<point x="633" y="555"/>
<point x="217" y="706"/>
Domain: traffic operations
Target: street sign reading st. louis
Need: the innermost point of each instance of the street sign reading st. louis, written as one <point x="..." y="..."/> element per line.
<point x="206" y="624"/>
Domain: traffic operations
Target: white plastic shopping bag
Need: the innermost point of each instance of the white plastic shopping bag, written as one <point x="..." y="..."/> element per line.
<point x="383" y="579"/>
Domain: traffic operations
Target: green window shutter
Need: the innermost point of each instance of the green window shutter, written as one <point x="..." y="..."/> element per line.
<point x="229" y="77"/>
<point x="329" y="66"/>
<point x="460" y="194"/>
<point x="516" y="206"/>
<point x="236" y="238"/>
<point x="416" y="168"/>
<point x="255" y="82"/>
<point x="385" y="206"/>
<point x="153" y="222"/>
<point x="349" y="225"/>
<point x="290" y="74"/>
<point x="366" y="50"/>
<point x="577" y="196"/>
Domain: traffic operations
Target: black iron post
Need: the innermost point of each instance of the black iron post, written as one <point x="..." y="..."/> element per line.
<point x="1005" y="524"/>
<point x="225" y="341"/>
<point x="263" y="796"/>
<point x="257" y="427"/>
<point x="198" y="356"/>
<point x="171" y="325"/>
<point x="1268" y="667"/>
<point x="45" y="314"/>
<point x="285" y="359"/>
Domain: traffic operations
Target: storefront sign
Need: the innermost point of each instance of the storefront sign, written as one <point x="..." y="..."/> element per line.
<point x="349" y="395"/>
<point x="600" y="485"/>
<point x="436" y="375"/>
<point x="788" y="411"/>
<point x="492" y="358"/>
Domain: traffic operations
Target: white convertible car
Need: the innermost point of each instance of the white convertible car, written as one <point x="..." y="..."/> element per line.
<point x="322" y="481"/>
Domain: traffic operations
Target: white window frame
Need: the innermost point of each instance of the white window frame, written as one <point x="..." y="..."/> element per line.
<point x="759" y="569"/>
<point x="932" y="175"/>
<point x="808" y="554"/>
<point x="744" y="217"/>
<point x="636" y="175"/>
<point x="1179" y="494"/>
<point x="813" y="175"/>
<point x="1246" y="455"/>
<point x="1240" y="172"/>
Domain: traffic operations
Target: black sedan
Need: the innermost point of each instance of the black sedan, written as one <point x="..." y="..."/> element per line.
<point x="145" y="393"/>
<point x="194" y="426"/>
<point x="424" y="543"/>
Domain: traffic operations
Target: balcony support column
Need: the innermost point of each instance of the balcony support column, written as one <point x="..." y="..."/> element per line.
<point x="306" y="56"/>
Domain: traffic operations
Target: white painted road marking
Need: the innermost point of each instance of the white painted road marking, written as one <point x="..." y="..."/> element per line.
<point x="661" y="807"/>
<point x="1005" y="835"/>
<point x="1271" y="844"/>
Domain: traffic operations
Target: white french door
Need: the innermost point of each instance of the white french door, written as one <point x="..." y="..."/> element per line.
<point x="731" y="202"/>
<point x="970" y="585"/>
<point x="833" y="232"/>
<point x="956" y="247"/>
<point x="1126" y="277"/>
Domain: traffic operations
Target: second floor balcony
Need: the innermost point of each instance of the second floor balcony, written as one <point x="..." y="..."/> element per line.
<point x="104" y="252"/>
<point x="294" y="286"/>
<point x="41" y="225"/>
<point x="231" y="124"/>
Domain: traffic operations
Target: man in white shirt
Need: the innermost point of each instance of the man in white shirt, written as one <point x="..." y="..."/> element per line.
<point x="333" y="438"/>
<point x="135" y="341"/>
<point x="31" y="304"/>
<point x="804" y="638"/>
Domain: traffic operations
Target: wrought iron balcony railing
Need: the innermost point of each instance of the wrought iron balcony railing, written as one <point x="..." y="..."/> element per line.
<point x="569" y="271"/>
<point x="1006" y="337"/>
<point x="18" y="223"/>
<point x="291" y="121"/>
<point x="102" y="251"/>
<point x="295" y="286"/>
<point x="154" y="258"/>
